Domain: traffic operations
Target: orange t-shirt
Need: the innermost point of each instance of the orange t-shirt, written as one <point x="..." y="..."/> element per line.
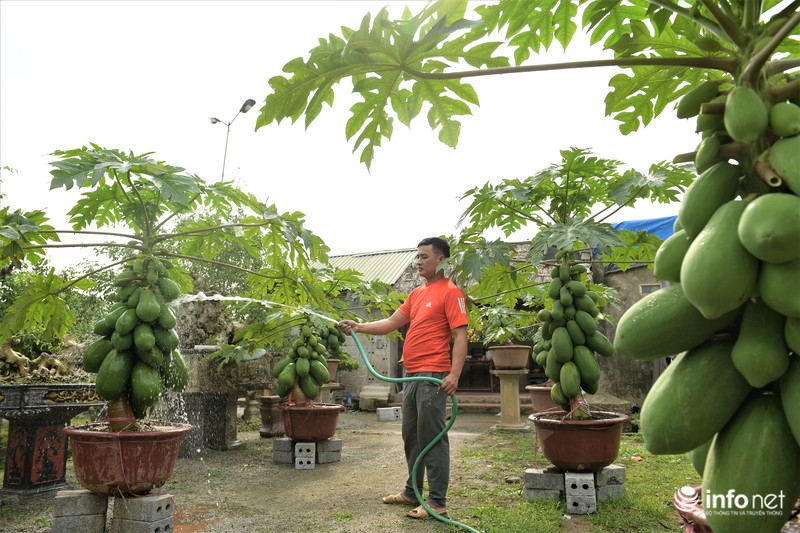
<point x="434" y="310"/>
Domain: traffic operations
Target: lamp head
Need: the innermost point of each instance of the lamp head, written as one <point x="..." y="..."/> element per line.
<point x="215" y="120"/>
<point x="247" y="105"/>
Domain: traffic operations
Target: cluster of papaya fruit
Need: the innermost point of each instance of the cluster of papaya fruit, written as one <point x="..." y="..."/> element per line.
<point x="304" y="369"/>
<point x="137" y="352"/>
<point x="732" y="307"/>
<point x="569" y="335"/>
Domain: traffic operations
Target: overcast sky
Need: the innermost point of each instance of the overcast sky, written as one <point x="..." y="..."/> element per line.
<point x="146" y="76"/>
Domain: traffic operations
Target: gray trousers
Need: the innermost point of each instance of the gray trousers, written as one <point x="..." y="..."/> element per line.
<point x="424" y="413"/>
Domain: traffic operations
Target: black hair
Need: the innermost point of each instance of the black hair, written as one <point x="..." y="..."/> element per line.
<point x="439" y="245"/>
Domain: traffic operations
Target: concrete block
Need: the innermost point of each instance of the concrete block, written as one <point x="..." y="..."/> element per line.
<point x="387" y="414"/>
<point x="304" y="463"/>
<point x="151" y="508"/>
<point x="581" y="504"/>
<point x="87" y="523"/>
<point x="305" y="449"/>
<point x="79" y="502"/>
<point x="610" y="492"/>
<point x="283" y="457"/>
<point x="166" y="525"/>
<point x="579" y="484"/>
<point x="537" y="478"/>
<point x="328" y="457"/>
<point x="282" y="444"/>
<point x="333" y="444"/>
<point x="542" y="494"/>
<point x="610" y="475"/>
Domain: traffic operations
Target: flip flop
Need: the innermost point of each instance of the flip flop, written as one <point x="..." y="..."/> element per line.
<point x="399" y="499"/>
<point x="420" y="513"/>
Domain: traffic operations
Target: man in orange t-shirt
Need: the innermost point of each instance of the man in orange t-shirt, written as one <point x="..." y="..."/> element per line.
<point x="436" y="312"/>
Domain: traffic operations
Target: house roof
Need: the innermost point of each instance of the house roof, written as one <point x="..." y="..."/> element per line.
<point x="387" y="266"/>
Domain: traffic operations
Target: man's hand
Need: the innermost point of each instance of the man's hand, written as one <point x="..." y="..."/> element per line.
<point x="348" y="325"/>
<point x="449" y="384"/>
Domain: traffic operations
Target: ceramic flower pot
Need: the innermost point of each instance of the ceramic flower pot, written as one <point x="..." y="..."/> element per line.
<point x="311" y="422"/>
<point x="510" y="356"/>
<point x="540" y="398"/>
<point x="128" y="462"/>
<point x="579" y="445"/>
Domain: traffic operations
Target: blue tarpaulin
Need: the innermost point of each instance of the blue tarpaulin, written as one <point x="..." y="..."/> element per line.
<point x="662" y="227"/>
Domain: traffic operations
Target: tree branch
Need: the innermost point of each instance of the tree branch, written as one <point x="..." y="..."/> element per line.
<point x="87" y="232"/>
<point x="709" y="25"/>
<point x="202" y="231"/>
<point x="218" y="263"/>
<point x="715" y="63"/>
<point x="786" y="90"/>
<point x="753" y="68"/>
<point x="92" y="273"/>
<point x="727" y="24"/>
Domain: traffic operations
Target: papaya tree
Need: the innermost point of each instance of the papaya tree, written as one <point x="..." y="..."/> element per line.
<point x="734" y="263"/>
<point x="153" y="221"/>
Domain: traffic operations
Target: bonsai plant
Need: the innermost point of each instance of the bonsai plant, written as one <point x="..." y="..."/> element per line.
<point x="136" y="354"/>
<point x="503" y="333"/>
<point x="300" y="375"/>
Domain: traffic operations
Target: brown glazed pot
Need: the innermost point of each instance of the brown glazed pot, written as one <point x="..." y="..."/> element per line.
<point x="579" y="445"/>
<point x="124" y="463"/>
<point x="333" y="366"/>
<point x="510" y="356"/>
<point x="311" y="422"/>
<point x="540" y="398"/>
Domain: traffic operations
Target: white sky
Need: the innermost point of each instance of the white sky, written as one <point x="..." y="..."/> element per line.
<point x="146" y="76"/>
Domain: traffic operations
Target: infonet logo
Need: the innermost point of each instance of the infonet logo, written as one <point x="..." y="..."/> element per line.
<point x="730" y="503"/>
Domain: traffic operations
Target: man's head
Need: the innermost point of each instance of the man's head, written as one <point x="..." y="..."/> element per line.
<point x="430" y="253"/>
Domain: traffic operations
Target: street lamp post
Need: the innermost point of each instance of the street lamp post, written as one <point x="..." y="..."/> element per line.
<point x="246" y="106"/>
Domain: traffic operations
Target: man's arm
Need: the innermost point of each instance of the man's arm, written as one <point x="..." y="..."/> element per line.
<point x="377" y="327"/>
<point x="459" y="356"/>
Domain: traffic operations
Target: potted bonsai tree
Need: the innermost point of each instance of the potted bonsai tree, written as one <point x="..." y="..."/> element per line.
<point x="503" y="332"/>
<point x="143" y="207"/>
<point x="300" y="375"/>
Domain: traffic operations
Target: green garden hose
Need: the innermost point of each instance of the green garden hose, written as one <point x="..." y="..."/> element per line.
<point x="430" y="445"/>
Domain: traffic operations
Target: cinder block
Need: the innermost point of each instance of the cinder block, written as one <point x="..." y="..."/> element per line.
<point x="537" y="478"/>
<point x="137" y="526"/>
<point x="581" y="504"/>
<point x="151" y="508"/>
<point x="305" y="449"/>
<point x="610" y="492"/>
<point x="387" y="414"/>
<point x="87" y="523"/>
<point x="304" y="463"/>
<point x="79" y="502"/>
<point x="328" y="457"/>
<point x="542" y="494"/>
<point x="282" y="444"/>
<point x="333" y="444"/>
<point x="578" y="484"/>
<point x="283" y="457"/>
<point x="610" y="475"/>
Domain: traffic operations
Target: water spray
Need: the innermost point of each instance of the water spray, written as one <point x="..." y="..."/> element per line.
<point x="302" y="310"/>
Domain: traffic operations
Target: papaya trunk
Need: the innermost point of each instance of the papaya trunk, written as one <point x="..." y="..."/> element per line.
<point x="579" y="409"/>
<point x="120" y="414"/>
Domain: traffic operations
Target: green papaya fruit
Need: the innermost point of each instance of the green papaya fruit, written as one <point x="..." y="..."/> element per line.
<point x="552" y="366"/>
<point x="169" y="288"/>
<point x="320" y="372"/>
<point x="713" y="188"/>
<point x="562" y="345"/>
<point x="791" y="334"/>
<point x="146" y="384"/>
<point x="114" y="374"/>
<point x="288" y="376"/>
<point x="175" y="371"/>
<point x="770" y="227"/>
<point x="126" y="322"/>
<point x="790" y="397"/>
<point x="752" y="469"/>
<point x="692" y="399"/>
<point x="106" y="326"/>
<point x="575" y="333"/>
<point x="760" y="353"/>
<point x="586" y="322"/>
<point x="587" y="303"/>
<point x="302" y="366"/>
<point x="709" y="123"/>
<point x="557" y="395"/>
<point x="746" y="116"/>
<point x="554" y="289"/>
<point x="125" y="277"/>
<point x="557" y="311"/>
<point x="143" y="337"/>
<point x="600" y="344"/>
<point x="590" y="387"/>
<point x="664" y="323"/>
<point x="97" y="351"/>
<point x="784" y="119"/>
<point x="565" y="297"/>
<point x="148" y="307"/>
<point x="570" y="380"/>
<point x="779" y="286"/>
<point x="133" y="299"/>
<point x="669" y="256"/>
<point x="310" y="386"/>
<point x="577" y="288"/>
<point x="280" y="365"/>
<point x="714" y="290"/>
<point x="166" y="317"/>
<point x="689" y="106"/>
<point x="166" y="339"/>
<point x="707" y="154"/>
<point x="698" y="456"/>
<point x="587" y="364"/>
<point x="784" y="158"/>
<point x="153" y="357"/>
<point x="121" y="342"/>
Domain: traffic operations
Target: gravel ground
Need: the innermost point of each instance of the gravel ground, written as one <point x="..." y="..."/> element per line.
<point x="243" y="490"/>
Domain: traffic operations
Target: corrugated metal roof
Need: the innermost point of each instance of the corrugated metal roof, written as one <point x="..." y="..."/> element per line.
<point x="385" y="266"/>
